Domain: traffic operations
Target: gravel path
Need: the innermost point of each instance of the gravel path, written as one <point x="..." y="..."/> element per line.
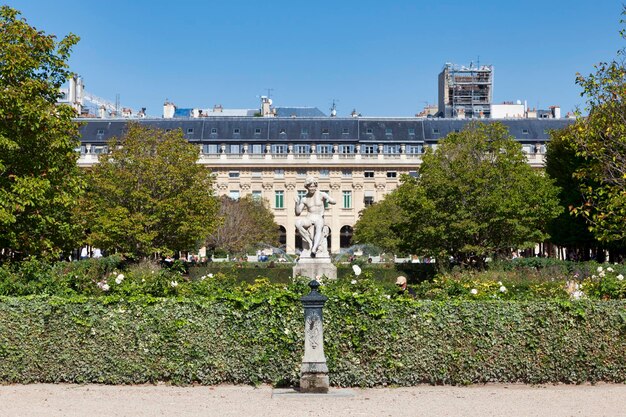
<point x="240" y="401"/>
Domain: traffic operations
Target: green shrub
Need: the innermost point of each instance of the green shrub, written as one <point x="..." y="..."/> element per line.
<point x="253" y="334"/>
<point x="112" y="276"/>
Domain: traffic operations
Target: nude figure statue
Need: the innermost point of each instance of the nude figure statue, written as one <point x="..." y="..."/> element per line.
<point x="314" y="202"/>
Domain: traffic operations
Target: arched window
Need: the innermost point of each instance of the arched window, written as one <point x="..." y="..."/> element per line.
<point x="345" y="237"/>
<point x="282" y="236"/>
<point x="298" y="241"/>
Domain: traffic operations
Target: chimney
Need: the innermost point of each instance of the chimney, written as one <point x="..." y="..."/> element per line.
<point x="168" y="110"/>
<point x="266" y="107"/>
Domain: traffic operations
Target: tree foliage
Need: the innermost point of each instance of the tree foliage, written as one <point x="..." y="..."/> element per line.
<point x="149" y="195"/>
<point x="39" y="179"/>
<point x="562" y="163"/>
<point x="599" y="141"/>
<point x="476" y="196"/>
<point x="375" y="225"/>
<point x="243" y="222"/>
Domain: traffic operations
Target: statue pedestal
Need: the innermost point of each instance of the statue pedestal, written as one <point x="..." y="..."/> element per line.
<point x="315" y="267"/>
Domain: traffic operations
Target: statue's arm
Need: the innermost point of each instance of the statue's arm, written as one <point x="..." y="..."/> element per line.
<point x="328" y="198"/>
<point x="299" y="205"/>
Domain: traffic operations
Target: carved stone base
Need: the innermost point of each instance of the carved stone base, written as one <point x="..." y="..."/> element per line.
<point x="314" y="383"/>
<point x="315" y="267"/>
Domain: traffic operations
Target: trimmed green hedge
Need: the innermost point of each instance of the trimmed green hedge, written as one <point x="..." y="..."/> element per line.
<point x="370" y="340"/>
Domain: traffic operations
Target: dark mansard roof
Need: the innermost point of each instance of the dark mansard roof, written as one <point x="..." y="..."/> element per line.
<point x="316" y="129"/>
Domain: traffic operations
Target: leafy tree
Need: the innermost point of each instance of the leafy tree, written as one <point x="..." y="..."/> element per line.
<point x="599" y="141"/>
<point x="39" y="180"/>
<point x="476" y="196"/>
<point x="562" y="163"/>
<point x="375" y="225"/>
<point x="244" y="222"/>
<point x="148" y="195"/>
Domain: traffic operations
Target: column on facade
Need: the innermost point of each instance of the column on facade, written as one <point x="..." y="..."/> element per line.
<point x="357" y="199"/>
<point x="290" y="222"/>
<point x="335" y="216"/>
<point x="380" y="191"/>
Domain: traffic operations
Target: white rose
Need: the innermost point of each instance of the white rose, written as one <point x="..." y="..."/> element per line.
<point x="503" y="288"/>
<point x="353" y="281"/>
<point x="174" y="284"/>
<point x="620" y="277"/>
<point x="105" y="287"/>
<point x="474" y="291"/>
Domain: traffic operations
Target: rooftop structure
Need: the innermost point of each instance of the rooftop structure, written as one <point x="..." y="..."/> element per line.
<point x="465" y="92"/>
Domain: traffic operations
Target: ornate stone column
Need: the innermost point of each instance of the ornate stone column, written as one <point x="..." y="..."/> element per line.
<point x="314" y="371"/>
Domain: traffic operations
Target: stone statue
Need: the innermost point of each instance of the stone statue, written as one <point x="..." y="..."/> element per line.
<point x="311" y="227"/>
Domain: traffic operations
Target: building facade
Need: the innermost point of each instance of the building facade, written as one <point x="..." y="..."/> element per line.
<point x="356" y="160"/>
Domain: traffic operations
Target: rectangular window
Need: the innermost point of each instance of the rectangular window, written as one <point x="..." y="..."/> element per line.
<point x="392" y="174"/>
<point x="368" y="200"/>
<point x="233" y="174"/>
<point x="301" y="173"/>
<point x="346" y="149"/>
<point x="257" y="131"/>
<point x="369" y="131"/>
<point x="233" y="149"/>
<point x="324" y="149"/>
<point x="304" y="131"/>
<point x="391" y="149"/>
<point x="411" y="131"/>
<point x="368" y="149"/>
<point x="413" y="174"/>
<point x="256" y="195"/>
<point x="435" y="131"/>
<point x="100" y="132"/>
<point x="414" y="149"/>
<point x="279" y="173"/>
<point x="236" y="131"/>
<point x="368" y="174"/>
<point x="279" y="199"/>
<point x="347" y="199"/>
<point x="256" y="173"/>
<point x="209" y="149"/>
<point x="325" y="131"/>
<point x="282" y="131"/>
<point x="388" y="131"/>
<point x="256" y="149"/>
<point x="279" y="149"/>
<point x="234" y="194"/>
<point x="302" y="149"/>
<point x="324" y="173"/>
<point x="345" y="131"/>
<point x="190" y="131"/>
<point x="301" y="194"/>
<point x="524" y="131"/>
<point x="214" y="131"/>
<point x="346" y="173"/>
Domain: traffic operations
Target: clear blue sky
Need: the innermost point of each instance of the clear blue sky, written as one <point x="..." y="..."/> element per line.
<point x="380" y="57"/>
